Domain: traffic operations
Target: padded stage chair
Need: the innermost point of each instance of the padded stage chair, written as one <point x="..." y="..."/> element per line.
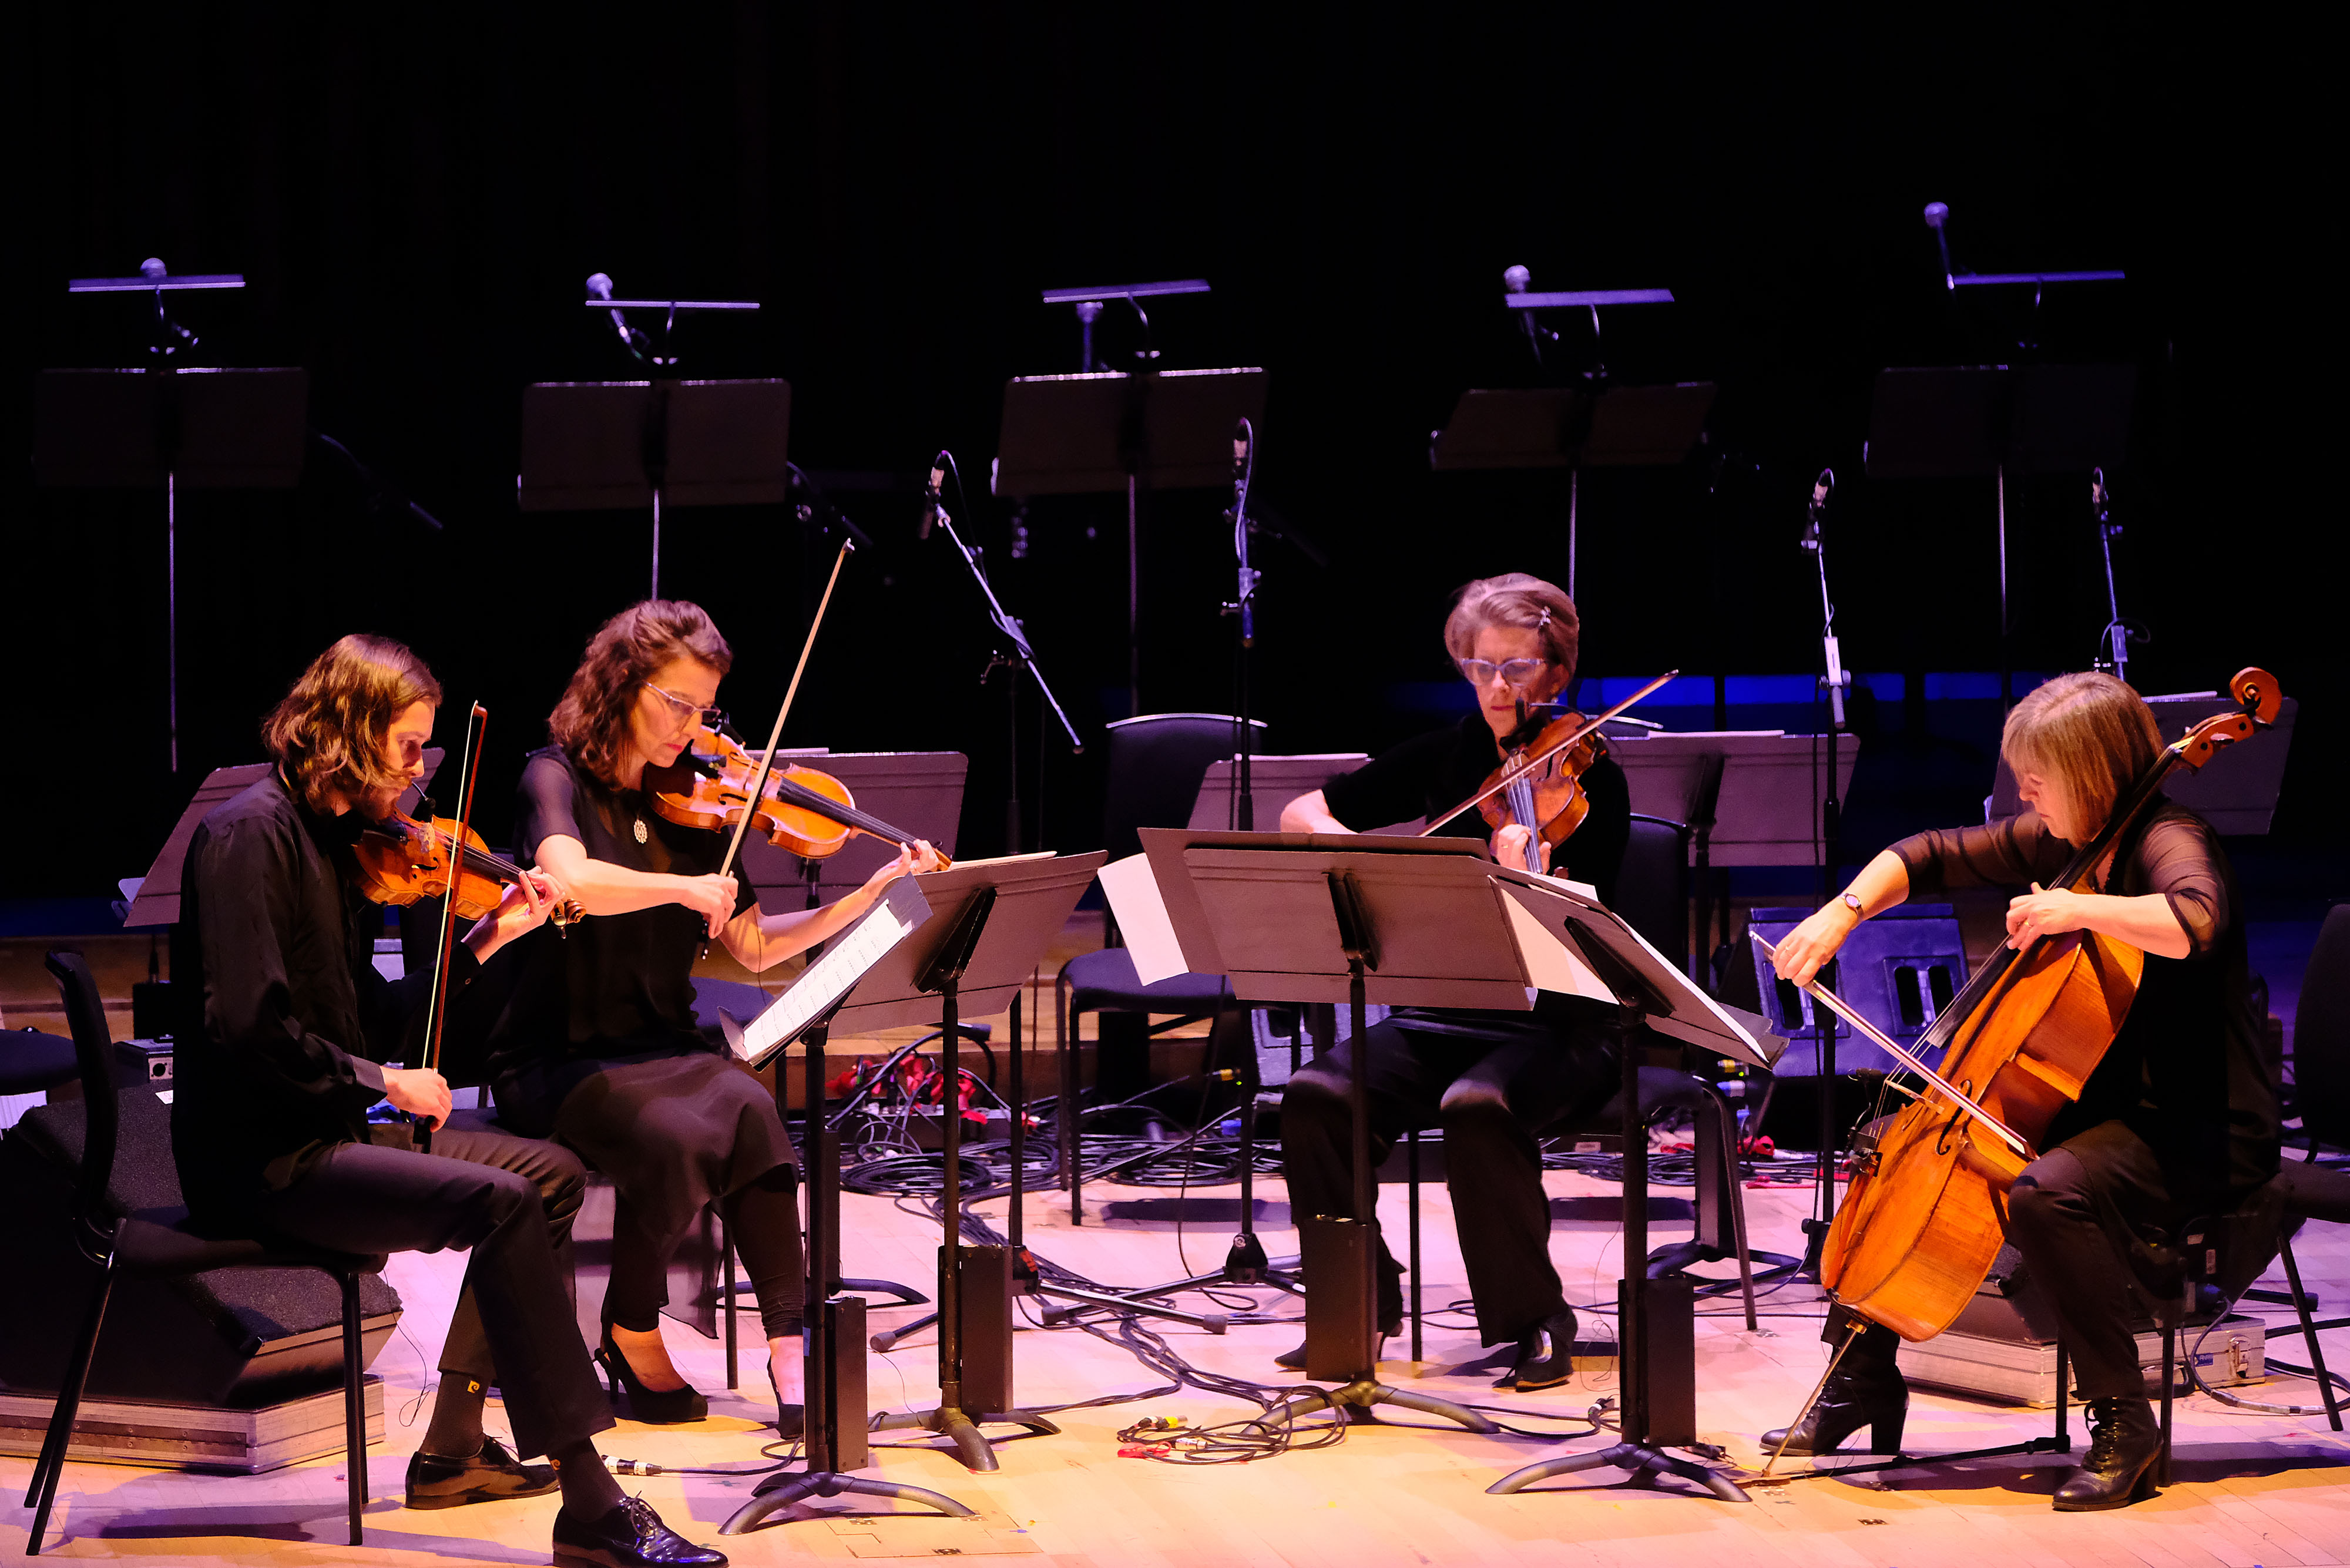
<point x="156" y="1244"/>
<point x="32" y="1063"/>
<point x="1155" y="764"/>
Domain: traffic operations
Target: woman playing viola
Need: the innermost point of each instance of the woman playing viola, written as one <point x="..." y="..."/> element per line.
<point x="599" y="1047"/>
<point x="2179" y="1117"/>
<point x="1492" y="1081"/>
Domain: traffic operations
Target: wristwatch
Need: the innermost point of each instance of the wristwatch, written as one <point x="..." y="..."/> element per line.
<point x="1852" y="902"/>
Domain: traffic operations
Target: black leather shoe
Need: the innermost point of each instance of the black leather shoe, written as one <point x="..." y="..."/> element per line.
<point x="631" y="1536"/>
<point x="1878" y="1401"/>
<point x="666" y="1407"/>
<point x="1546" y="1355"/>
<point x="2124" y="1442"/>
<point x="492" y="1475"/>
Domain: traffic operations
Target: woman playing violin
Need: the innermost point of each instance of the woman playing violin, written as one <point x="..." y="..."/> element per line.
<point x="2179" y="1117"/>
<point x="1492" y="1081"/>
<point x="599" y="1047"/>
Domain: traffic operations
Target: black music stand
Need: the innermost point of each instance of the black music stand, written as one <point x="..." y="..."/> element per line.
<point x="1110" y="430"/>
<point x="167" y="429"/>
<point x="1322" y="918"/>
<point x="1973" y="422"/>
<point x="2240" y="798"/>
<point x="989" y="926"/>
<point x="1650" y="992"/>
<point x="1573" y="428"/>
<point x="591" y="446"/>
<point x="833" y="1347"/>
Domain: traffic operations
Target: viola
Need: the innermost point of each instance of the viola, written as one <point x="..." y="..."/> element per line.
<point x="802" y="810"/>
<point x="402" y="860"/>
<point x="1538" y="785"/>
<point x="1927" y="1210"/>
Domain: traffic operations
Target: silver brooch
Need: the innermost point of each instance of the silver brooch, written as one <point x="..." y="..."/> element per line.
<point x="640" y="830"/>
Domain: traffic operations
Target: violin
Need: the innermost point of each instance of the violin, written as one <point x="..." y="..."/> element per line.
<point x="1538" y="785"/>
<point x="802" y="810"/>
<point x="402" y="860"/>
<point x="1927" y="1210"/>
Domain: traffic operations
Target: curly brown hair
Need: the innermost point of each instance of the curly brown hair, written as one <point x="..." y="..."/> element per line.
<point x="329" y="728"/>
<point x="591" y="722"/>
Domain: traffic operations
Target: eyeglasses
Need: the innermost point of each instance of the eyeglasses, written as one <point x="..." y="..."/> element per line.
<point x="683" y="710"/>
<point x="1513" y="671"/>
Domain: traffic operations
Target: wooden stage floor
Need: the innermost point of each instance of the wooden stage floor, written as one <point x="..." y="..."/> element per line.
<point x="2250" y="1490"/>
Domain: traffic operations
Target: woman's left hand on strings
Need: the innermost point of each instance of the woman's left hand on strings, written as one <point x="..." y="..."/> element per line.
<point x="2041" y="913"/>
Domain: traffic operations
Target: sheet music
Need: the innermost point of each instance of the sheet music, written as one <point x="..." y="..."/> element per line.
<point x="824" y="981"/>
<point x="1134" y="897"/>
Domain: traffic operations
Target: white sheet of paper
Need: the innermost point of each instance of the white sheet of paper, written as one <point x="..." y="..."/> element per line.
<point x="1134" y="898"/>
<point x="824" y="982"/>
<point x="1550" y="963"/>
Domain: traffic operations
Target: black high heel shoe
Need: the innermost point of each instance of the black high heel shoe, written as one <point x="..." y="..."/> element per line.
<point x="790" y="1420"/>
<point x="659" y="1407"/>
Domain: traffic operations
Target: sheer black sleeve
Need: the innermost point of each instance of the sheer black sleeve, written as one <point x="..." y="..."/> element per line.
<point x="248" y="923"/>
<point x="1393" y="786"/>
<point x="2012" y="852"/>
<point x="2177" y="857"/>
<point x="543" y="805"/>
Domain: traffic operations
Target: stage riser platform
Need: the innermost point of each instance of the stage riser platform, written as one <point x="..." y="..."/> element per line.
<point x="193" y="1436"/>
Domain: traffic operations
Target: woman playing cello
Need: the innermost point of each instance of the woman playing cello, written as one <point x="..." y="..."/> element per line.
<point x="2179" y="1117"/>
<point x="599" y="1049"/>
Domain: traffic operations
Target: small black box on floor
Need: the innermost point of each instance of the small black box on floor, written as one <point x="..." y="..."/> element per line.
<point x="1331" y="1253"/>
<point x="983" y="1291"/>
<point x="844" y="1322"/>
<point x="142" y="1064"/>
<point x="1666" y="1311"/>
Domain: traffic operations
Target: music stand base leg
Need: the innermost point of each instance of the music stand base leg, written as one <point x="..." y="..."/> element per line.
<point x="783" y="1491"/>
<point x="962" y="1430"/>
<point x="1357" y="1400"/>
<point x="1642" y="1461"/>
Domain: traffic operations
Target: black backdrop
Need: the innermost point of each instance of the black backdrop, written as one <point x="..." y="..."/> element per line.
<point x="415" y="196"/>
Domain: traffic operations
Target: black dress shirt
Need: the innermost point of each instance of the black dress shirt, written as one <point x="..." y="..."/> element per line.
<point x="277" y="944"/>
<point x="2186" y="1072"/>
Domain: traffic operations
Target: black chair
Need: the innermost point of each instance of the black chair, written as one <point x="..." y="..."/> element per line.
<point x="2321" y="1036"/>
<point x="158" y="1244"/>
<point x="1652" y="897"/>
<point x="1155" y="764"/>
<point x="32" y="1063"/>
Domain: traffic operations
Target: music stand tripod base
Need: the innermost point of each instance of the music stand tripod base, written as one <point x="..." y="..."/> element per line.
<point x="1638" y="1459"/>
<point x="779" y="1493"/>
<point x="1355" y="1399"/>
<point x="962" y="1428"/>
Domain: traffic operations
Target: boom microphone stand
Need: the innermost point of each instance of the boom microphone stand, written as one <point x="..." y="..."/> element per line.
<point x="1244" y="607"/>
<point x="1020" y="657"/>
<point x="2114" y="657"/>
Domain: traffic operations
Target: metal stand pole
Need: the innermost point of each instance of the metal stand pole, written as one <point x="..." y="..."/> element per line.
<point x="171" y="610"/>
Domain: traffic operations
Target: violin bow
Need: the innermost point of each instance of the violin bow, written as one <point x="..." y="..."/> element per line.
<point x="775" y="736"/>
<point x="1526" y="768"/>
<point x="436" y="1006"/>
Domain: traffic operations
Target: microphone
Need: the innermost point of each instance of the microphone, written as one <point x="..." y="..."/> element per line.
<point x="932" y="512"/>
<point x="1938" y="213"/>
<point x="1820" y="488"/>
<point x="600" y="287"/>
<point x="1516" y="280"/>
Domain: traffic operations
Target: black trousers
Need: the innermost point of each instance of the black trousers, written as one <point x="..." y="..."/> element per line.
<point x="676" y="1132"/>
<point x="2076" y="1214"/>
<point x="1490" y="1093"/>
<point x="360" y="1197"/>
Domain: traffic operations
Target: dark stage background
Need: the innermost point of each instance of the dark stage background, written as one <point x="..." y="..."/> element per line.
<point x="416" y="196"/>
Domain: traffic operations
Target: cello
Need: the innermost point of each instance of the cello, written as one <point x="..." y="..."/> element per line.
<point x="1927" y="1210"/>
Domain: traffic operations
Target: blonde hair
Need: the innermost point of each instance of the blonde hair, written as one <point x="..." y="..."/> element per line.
<point x="329" y="728"/>
<point x="1517" y="599"/>
<point x="591" y="722"/>
<point x="2090" y="735"/>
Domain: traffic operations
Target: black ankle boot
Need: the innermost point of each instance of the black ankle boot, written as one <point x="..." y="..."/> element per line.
<point x="2125" y="1442"/>
<point x="1546" y="1355"/>
<point x="1877" y="1397"/>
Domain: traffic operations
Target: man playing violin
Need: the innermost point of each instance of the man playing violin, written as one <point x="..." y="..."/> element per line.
<point x="598" y="1047"/>
<point x="1491" y="1080"/>
<point x="275" y="1079"/>
<point x="2179" y="1117"/>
